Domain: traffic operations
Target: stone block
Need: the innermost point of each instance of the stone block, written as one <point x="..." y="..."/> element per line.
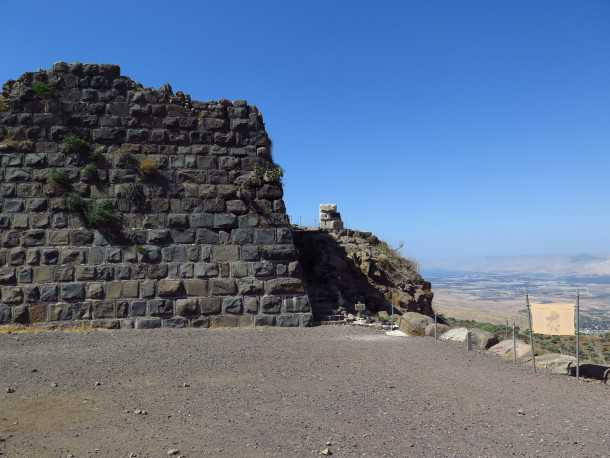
<point x="250" y="286"/>
<point x="5" y="314"/>
<point x="147" y="323"/>
<point x="206" y="270"/>
<point x="210" y="305"/>
<point x="137" y="308"/>
<point x="196" y="287"/>
<point x="232" y="304"/>
<point x="206" y="236"/>
<point x="224" y="321"/>
<point x="34" y="238"/>
<point x="48" y="293"/>
<point x="103" y="309"/>
<point x="63" y="274"/>
<point x="187" y="307"/>
<point x="175" y="322"/>
<point x="288" y="320"/>
<point x="222" y="286"/>
<point x="170" y="288"/>
<point x="38" y="313"/>
<point x="21" y="314"/>
<point x="12" y="295"/>
<point x="202" y="220"/>
<point x="264" y="320"/>
<point x="160" y="308"/>
<point x="271" y="304"/>
<point x="263" y="269"/>
<point x="113" y="290"/>
<point x="60" y="312"/>
<point x="95" y="290"/>
<point x="264" y="236"/>
<point x="130" y="289"/>
<point x="250" y="304"/>
<point x="284" y="286"/>
<point x="147" y="289"/>
<point x="223" y="253"/>
<point x="297" y="304"/>
<point x="200" y="322"/>
<point x="72" y="291"/>
<point x="59" y="237"/>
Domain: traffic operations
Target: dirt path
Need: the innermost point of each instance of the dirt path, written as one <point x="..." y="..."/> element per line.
<point x="284" y="392"/>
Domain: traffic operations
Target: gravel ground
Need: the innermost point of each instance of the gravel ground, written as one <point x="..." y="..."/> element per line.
<point x="284" y="392"/>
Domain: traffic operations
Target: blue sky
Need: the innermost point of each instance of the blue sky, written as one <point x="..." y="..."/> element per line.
<point x="464" y="128"/>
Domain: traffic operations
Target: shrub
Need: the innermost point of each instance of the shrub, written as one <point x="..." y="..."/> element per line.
<point x="90" y="172"/>
<point x="42" y="89"/>
<point x="58" y="179"/>
<point x="4" y="105"/>
<point x="75" y="145"/>
<point x="75" y="203"/>
<point x="148" y="168"/>
<point x="101" y="214"/>
<point x="269" y="174"/>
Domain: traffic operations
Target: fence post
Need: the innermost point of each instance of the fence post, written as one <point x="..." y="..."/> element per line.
<point x="529" y="316"/>
<point x="514" y="345"/>
<point x="435" y="321"/>
<point x="467" y="340"/>
<point x="577" y="335"/>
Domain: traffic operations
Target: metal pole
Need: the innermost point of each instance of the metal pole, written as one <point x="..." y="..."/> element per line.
<point x="435" y="333"/>
<point x="577" y="335"/>
<point x="514" y="345"/>
<point x="529" y="316"/>
<point x="467" y="340"/>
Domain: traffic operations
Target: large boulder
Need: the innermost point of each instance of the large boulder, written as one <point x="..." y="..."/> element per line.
<point x="414" y="323"/>
<point x="440" y="329"/>
<point x="478" y="338"/>
<point x="554" y="362"/>
<point x="504" y="349"/>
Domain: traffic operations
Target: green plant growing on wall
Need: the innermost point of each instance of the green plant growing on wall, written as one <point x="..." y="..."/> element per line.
<point x="75" y="145"/>
<point x="101" y="215"/>
<point x="148" y="169"/>
<point x="42" y="89"/>
<point x="89" y="173"/>
<point x="4" y="105"/>
<point x="58" y="179"/>
<point x="75" y="203"/>
<point x="268" y="174"/>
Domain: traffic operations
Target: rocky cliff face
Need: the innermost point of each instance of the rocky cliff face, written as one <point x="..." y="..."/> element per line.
<point x="123" y="202"/>
<point x="343" y="267"/>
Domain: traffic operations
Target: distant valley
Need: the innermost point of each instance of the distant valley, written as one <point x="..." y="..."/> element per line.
<point x="493" y="289"/>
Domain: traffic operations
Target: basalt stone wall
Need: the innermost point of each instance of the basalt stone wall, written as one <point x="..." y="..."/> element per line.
<point x="127" y="205"/>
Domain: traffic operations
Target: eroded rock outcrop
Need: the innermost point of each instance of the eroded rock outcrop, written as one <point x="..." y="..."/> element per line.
<point x="342" y="267"/>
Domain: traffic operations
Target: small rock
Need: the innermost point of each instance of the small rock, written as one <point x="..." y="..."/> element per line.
<point x="329" y="443"/>
<point x="326" y="452"/>
<point x="521" y="412"/>
<point x="10" y="390"/>
<point x="98" y="383"/>
<point x="186" y="385"/>
<point x="34" y="370"/>
<point x="54" y="385"/>
<point x="172" y="452"/>
<point x="132" y="455"/>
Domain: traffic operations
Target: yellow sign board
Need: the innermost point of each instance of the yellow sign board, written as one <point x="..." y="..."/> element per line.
<point x="553" y="319"/>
